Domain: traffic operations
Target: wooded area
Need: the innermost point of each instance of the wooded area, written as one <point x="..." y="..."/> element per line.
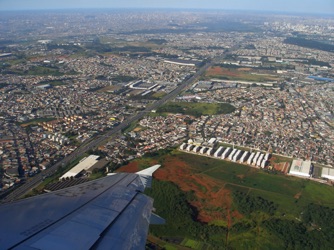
<point x="306" y="43"/>
<point x="171" y="204"/>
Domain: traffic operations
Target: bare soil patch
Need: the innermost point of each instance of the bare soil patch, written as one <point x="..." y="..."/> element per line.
<point x="132" y="167"/>
<point x="212" y="200"/>
<point x="211" y="204"/>
<point x="241" y="176"/>
<point x="218" y="71"/>
<point x="298" y="195"/>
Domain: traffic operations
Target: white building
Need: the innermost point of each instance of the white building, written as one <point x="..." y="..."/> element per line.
<point x="183" y="146"/>
<point x="301" y="168"/>
<point x="328" y="173"/>
<point x="256" y="157"/>
<point x="259" y="160"/>
<point x="230" y="157"/>
<point x="266" y="157"/>
<point x="250" y="159"/>
<point x="84" y="164"/>
<point x="210" y="151"/>
<point x="244" y="157"/>
<point x="237" y="155"/>
<point x="189" y="147"/>
<point x="203" y="150"/>
<point x="212" y="141"/>
<point x="263" y="164"/>
<point x="226" y="152"/>
<point x="218" y="152"/>
<point x="196" y="149"/>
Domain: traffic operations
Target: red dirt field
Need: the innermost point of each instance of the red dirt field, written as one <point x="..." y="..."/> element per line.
<point x="218" y="71"/>
<point x="137" y="165"/>
<point x="212" y="200"/>
<point x="282" y="166"/>
<point x="132" y="167"/>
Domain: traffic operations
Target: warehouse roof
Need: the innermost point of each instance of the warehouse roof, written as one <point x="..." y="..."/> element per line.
<point x="300" y="168"/>
<point x="84" y="164"/>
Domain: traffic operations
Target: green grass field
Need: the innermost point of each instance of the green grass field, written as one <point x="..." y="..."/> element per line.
<point x="254" y="239"/>
<point x="275" y="187"/>
<point x="271" y="207"/>
<point x="234" y="74"/>
<point x="36" y="121"/>
<point x="158" y="95"/>
<point x="196" y="109"/>
<point x="42" y="71"/>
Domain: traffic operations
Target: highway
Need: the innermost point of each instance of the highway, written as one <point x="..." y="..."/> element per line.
<point x="34" y="181"/>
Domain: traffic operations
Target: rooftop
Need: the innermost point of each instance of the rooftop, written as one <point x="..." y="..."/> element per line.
<point x="84" y="164"/>
<point x="328" y="173"/>
<point x="300" y="168"/>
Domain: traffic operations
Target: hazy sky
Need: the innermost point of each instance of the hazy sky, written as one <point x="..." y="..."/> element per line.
<point x="306" y="6"/>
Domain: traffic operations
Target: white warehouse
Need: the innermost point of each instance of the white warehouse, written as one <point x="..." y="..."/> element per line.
<point x="301" y="168"/>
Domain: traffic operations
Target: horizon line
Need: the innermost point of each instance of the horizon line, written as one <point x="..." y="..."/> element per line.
<point x="170" y="9"/>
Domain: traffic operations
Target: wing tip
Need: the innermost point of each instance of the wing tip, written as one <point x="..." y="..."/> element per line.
<point x="157" y="220"/>
<point x="149" y="171"/>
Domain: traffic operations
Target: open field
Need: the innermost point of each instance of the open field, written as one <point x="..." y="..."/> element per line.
<point x="196" y="109"/>
<point x="124" y="43"/>
<point x="36" y="121"/>
<point x="241" y="74"/>
<point x="212" y="188"/>
<point x="159" y="95"/>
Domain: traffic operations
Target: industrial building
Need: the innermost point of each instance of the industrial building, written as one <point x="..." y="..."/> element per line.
<point x="183" y="146"/>
<point x="250" y="159"/>
<point x="259" y="160"/>
<point x="212" y="141"/>
<point x="209" y="152"/>
<point x="257" y="155"/>
<point x="264" y="163"/>
<point x="232" y="154"/>
<point x="196" y="149"/>
<point x="219" y="152"/>
<point x="328" y="173"/>
<point x="237" y="155"/>
<point x="182" y="62"/>
<point x="83" y="165"/>
<point x="190" y="147"/>
<point x="245" y="156"/>
<point x="226" y="152"/>
<point x="301" y="168"/>
<point x="266" y="157"/>
<point x="203" y="150"/>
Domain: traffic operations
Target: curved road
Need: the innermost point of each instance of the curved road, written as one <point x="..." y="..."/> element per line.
<point x="37" y="179"/>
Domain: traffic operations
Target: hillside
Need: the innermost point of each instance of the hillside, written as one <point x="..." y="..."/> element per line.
<point x="215" y="204"/>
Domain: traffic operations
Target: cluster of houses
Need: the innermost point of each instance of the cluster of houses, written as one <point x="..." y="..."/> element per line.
<point x="57" y="137"/>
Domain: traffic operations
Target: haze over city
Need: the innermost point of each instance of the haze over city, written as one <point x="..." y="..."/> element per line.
<point x="224" y="108"/>
<point x="296" y="6"/>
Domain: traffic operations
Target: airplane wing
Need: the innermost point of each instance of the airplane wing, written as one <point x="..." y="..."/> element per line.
<point x="108" y="213"/>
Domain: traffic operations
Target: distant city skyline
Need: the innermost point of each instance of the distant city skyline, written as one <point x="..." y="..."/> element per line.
<point x="298" y="6"/>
